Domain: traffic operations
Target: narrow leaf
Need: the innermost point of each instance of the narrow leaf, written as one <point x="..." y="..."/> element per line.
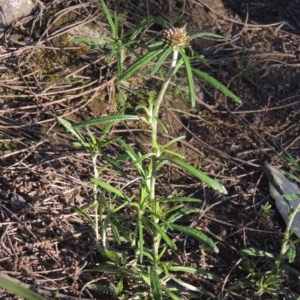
<point x="141" y="237"/>
<point x="190" y="77"/>
<point x="82" y="213"/>
<point x="161" y="59"/>
<point x="187" y="285"/>
<point x="218" y="85"/>
<point x="137" y="29"/>
<point x="108" y="187"/>
<point x="205" y="274"/>
<point x="164" y="236"/>
<point x="173" y="141"/>
<point x="113" y="269"/>
<point x="183" y="212"/>
<point x="69" y="127"/>
<point x="15" y="286"/>
<point x="109" y="18"/>
<point x="144" y="60"/>
<point x="198" y="174"/>
<point x="155" y="284"/>
<point x="255" y="252"/>
<point x="106" y="119"/>
<point x="171" y="295"/>
<point x="177" y="199"/>
<point x="206" y="34"/>
<point x="198" y="235"/>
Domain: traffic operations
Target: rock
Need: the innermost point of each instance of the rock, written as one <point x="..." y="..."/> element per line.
<point x="281" y="187"/>
<point x="11" y="10"/>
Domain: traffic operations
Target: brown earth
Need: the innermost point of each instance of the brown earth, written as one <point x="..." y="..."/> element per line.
<point x="43" y="242"/>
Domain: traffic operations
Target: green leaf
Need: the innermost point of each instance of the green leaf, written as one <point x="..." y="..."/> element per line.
<point x="136" y="160"/>
<point x="206" y="34"/>
<point x="115" y="256"/>
<point x="144" y="60"/>
<point x="137" y="29"/>
<point x="141" y="236"/>
<point x="112" y="268"/>
<point x="109" y="18"/>
<point x="292" y="160"/>
<point x="83" y="213"/>
<point x="14" y="286"/>
<point x="186" y="285"/>
<point x="205" y="274"/>
<point x="198" y="289"/>
<point x="69" y="127"/>
<point x="108" y="187"/>
<point x="198" y="174"/>
<point x="155" y="284"/>
<point x="106" y="119"/>
<point x="291" y="253"/>
<point x="172" y="295"/>
<point x="255" y="252"/>
<point x="164" y="236"/>
<point x="198" y="235"/>
<point x="120" y="286"/>
<point x="116" y="233"/>
<point x="183" y="212"/>
<point x="190" y="77"/>
<point x="177" y="199"/>
<point x="162" y="58"/>
<point x="216" y="84"/>
<point x="173" y="141"/>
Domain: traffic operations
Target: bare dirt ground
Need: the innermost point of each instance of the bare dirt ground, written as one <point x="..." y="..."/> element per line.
<point x="42" y="76"/>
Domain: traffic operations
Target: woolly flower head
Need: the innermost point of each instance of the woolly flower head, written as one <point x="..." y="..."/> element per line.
<point x="176" y="37"/>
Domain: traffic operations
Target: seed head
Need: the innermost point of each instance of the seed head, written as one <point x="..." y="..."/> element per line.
<point x="176" y="37"/>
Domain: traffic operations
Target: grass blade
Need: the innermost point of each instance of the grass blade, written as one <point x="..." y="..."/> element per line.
<point x="155" y="284"/>
<point x="133" y="156"/>
<point x="198" y="174"/>
<point x="206" y="34"/>
<point x="109" y="18"/>
<point x="177" y="199"/>
<point x="108" y="187"/>
<point x="198" y="235"/>
<point x="191" y="270"/>
<point x="81" y="212"/>
<point x="15" y="286"/>
<point x="164" y="236"/>
<point x="69" y="127"/>
<point x="190" y="77"/>
<point x="106" y="119"/>
<point x="162" y="58"/>
<point x="183" y="212"/>
<point x="144" y="60"/>
<point x="171" y="295"/>
<point x="256" y="252"/>
<point x="218" y="85"/>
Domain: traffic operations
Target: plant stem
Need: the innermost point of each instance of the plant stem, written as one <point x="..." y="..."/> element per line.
<point x="95" y="196"/>
<point x="286" y="237"/>
<point x="156" y="150"/>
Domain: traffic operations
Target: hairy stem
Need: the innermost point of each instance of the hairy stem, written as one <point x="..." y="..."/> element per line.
<point x="156" y="150"/>
<point x="95" y="196"/>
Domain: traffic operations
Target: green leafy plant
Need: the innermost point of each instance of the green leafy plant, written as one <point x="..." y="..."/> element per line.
<point x="269" y="282"/>
<point x="144" y="259"/>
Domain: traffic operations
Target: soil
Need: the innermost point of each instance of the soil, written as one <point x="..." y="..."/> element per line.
<point x="44" y="243"/>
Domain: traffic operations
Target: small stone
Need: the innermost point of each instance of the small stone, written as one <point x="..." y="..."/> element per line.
<point x="11" y="10"/>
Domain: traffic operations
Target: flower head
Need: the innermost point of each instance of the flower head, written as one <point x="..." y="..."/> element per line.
<point x="176" y="37"/>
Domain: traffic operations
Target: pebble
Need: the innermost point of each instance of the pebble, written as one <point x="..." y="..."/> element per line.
<point x="12" y="10"/>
